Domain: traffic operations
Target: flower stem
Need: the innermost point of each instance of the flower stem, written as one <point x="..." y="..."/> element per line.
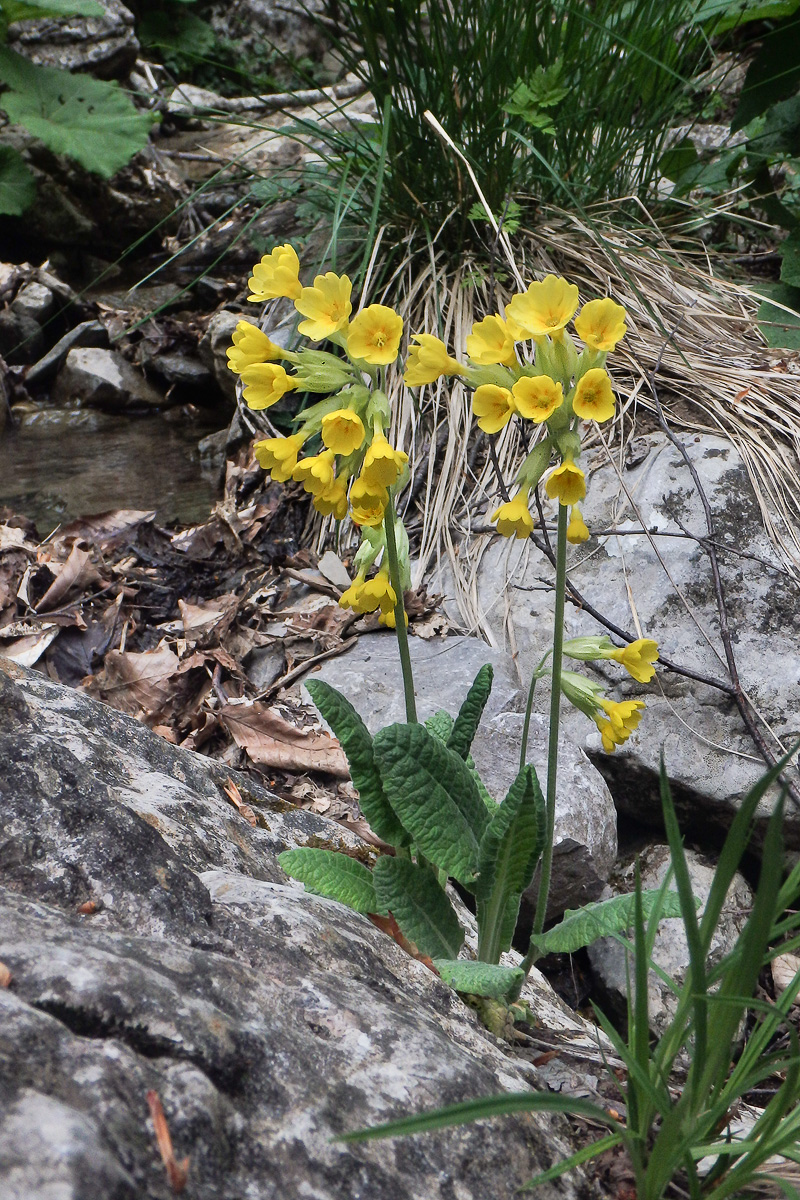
<point x="526" y="727"/>
<point x="399" y="612"/>
<point x="552" y="746"/>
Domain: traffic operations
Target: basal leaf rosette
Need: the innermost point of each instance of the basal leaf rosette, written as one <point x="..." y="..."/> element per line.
<point x="351" y="467"/>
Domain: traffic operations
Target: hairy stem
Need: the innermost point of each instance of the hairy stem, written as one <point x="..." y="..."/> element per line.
<point x="399" y="612"/>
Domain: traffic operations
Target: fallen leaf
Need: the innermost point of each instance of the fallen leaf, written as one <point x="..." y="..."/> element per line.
<point x="70" y="574"/>
<point x="28" y="650"/>
<point x="5" y="975"/>
<point x="204" y="623"/>
<point x="235" y="797"/>
<point x="104" y="528"/>
<point x="271" y="741"/>
<point x="146" y="684"/>
<point x="177" y="1172"/>
<point x="389" y="926"/>
<point x="12" y="538"/>
<point x="334" y="570"/>
<point x="784" y="969"/>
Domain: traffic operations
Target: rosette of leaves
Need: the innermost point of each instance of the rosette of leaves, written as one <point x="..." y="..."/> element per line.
<point x="91" y="121"/>
<point x="420" y="793"/>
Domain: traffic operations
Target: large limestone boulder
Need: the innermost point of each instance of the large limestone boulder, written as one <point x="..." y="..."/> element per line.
<point x="155" y="945"/>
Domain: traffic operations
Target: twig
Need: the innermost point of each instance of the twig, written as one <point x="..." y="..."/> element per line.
<point x="305" y="666"/>
<point x="177" y="1172"/>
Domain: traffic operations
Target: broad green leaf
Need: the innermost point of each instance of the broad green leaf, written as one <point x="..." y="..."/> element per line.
<point x="356" y="742"/>
<point x="780" y="328"/>
<point x="509" y="852"/>
<point x="790" y="260"/>
<point x="93" y="122"/>
<point x="470" y="713"/>
<point x="773" y="74"/>
<point x="435" y="797"/>
<point x="440" y="725"/>
<point x="336" y="876"/>
<point x="478" y="978"/>
<point x="412" y="895"/>
<point x="12" y="10"/>
<point x="581" y="926"/>
<point x="723" y="15"/>
<point x="17" y="185"/>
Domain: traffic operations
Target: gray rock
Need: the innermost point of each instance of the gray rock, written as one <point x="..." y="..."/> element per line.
<point x="104" y="379"/>
<point x="182" y="368"/>
<point x="671" y="950"/>
<point x="266" y="1019"/>
<point x="35" y="301"/>
<point x="709" y="755"/>
<point x="20" y="337"/>
<point x="88" y="333"/>
<point x="105" y="46"/>
<point x="265" y="664"/>
<point x="214" y="347"/>
<point x="286" y="25"/>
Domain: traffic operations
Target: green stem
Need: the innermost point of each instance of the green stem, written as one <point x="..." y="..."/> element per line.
<point x="552" y="746"/>
<point x="399" y="612"/>
<point x="535" y="677"/>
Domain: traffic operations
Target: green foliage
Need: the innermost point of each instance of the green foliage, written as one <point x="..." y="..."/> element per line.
<point x="418" y="903"/>
<point x="337" y="876"/>
<point x="724" y="15"/>
<point x="779" y="326"/>
<point x="580" y="927"/>
<point x="17" y="186"/>
<point x="466" y="723"/>
<point x="668" y="1130"/>
<point x="12" y="10"/>
<point x="478" y="978"/>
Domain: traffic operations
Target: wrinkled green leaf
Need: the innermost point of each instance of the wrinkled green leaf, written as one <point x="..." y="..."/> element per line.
<point x="478" y="978"/>
<point x="581" y="926"/>
<point x="723" y="15"/>
<point x="356" y="742"/>
<point x="780" y="328"/>
<point x="12" y="10"/>
<point x="470" y="713"/>
<point x="17" y="185"/>
<point x="435" y="797"/>
<point x="509" y="852"/>
<point x="440" y="725"/>
<point x="93" y="122"/>
<point x="419" y="905"/>
<point x="336" y="876"/>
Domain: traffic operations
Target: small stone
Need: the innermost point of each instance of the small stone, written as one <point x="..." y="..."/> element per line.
<point x="35" y="301"/>
<point x="88" y="333"/>
<point x="104" y="379"/>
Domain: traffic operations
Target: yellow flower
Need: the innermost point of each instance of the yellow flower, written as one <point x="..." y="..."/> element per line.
<point x="279" y="455"/>
<point x="537" y="397"/>
<point x="374" y="335"/>
<point x="351" y="598"/>
<point x="567" y="482"/>
<point x="276" y="275"/>
<point x="594" y="399"/>
<point x="601" y="324"/>
<point x="378" y="593"/>
<point x="251" y="346"/>
<point x="333" y="501"/>
<point x="545" y="308"/>
<point x="623" y="717"/>
<point x="576" y="530"/>
<point x="491" y="341"/>
<point x="326" y="305"/>
<point x="343" y="431"/>
<point x="513" y="518"/>
<point x="367" y="502"/>
<point x="428" y="361"/>
<point x="388" y="619"/>
<point x="316" y="473"/>
<point x="382" y="463"/>
<point x="637" y="658"/>
<point x="265" y="383"/>
<point x="493" y="406"/>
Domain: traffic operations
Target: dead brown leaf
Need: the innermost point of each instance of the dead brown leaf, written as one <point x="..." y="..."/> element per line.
<point x="209" y="622"/>
<point x="235" y="797"/>
<point x="177" y="1172"/>
<point x="149" y="685"/>
<point x="5" y="976"/>
<point x="73" y="573"/>
<point x="102" y="529"/>
<point x="28" y="650"/>
<point x="271" y="741"/>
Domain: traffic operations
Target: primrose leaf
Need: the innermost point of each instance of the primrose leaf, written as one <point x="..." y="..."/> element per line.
<point x="416" y="900"/>
<point x="93" y="122"/>
<point x="14" y="10"/>
<point x="336" y="876"/>
<point x="478" y="978"/>
<point x="356" y="742"/>
<point x="440" y="725"/>
<point x="468" y="719"/>
<point x="581" y="926"/>
<point x="780" y="328"/>
<point x="509" y="852"/>
<point x="435" y="797"/>
<point x="17" y="185"/>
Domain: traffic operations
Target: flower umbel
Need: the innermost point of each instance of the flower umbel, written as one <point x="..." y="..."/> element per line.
<point x="374" y="335"/>
<point x="276" y="275"/>
<point x="326" y="305"/>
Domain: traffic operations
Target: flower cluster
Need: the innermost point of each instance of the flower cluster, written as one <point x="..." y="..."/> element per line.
<point x="615" y="719"/>
<point x="356" y="467"/>
<point x="554" y="385"/>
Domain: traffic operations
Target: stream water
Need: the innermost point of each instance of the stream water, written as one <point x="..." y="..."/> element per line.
<point x="57" y="464"/>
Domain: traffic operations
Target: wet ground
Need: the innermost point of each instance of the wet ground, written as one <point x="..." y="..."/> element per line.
<point x="58" y="464"/>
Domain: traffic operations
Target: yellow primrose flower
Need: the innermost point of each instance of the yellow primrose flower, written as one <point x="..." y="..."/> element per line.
<point x="537" y="397"/>
<point x="279" y="455"/>
<point x="316" y="473"/>
<point x="374" y="335"/>
<point x="428" y="361"/>
<point x="367" y="502"/>
<point x="388" y="619"/>
<point x="343" y="431"/>
<point x="351" y="598"/>
<point x="601" y="324"/>
<point x="513" y="518"/>
<point x="265" y="383"/>
<point x="493" y="406"/>
<point x="251" y="346"/>
<point x="492" y="341"/>
<point x="382" y="463"/>
<point x="637" y="658"/>
<point x="576" y="530"/>
<point x="623" y="717"/>
<point x="326" y="305"/>
<point x="567" y="482"/>
<point x="378" y="593"/>
<point x="333" y="501"/>
<point x="594" y="399"/>
<point x="276" y="275"/>
<point x="545" y="308"/>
